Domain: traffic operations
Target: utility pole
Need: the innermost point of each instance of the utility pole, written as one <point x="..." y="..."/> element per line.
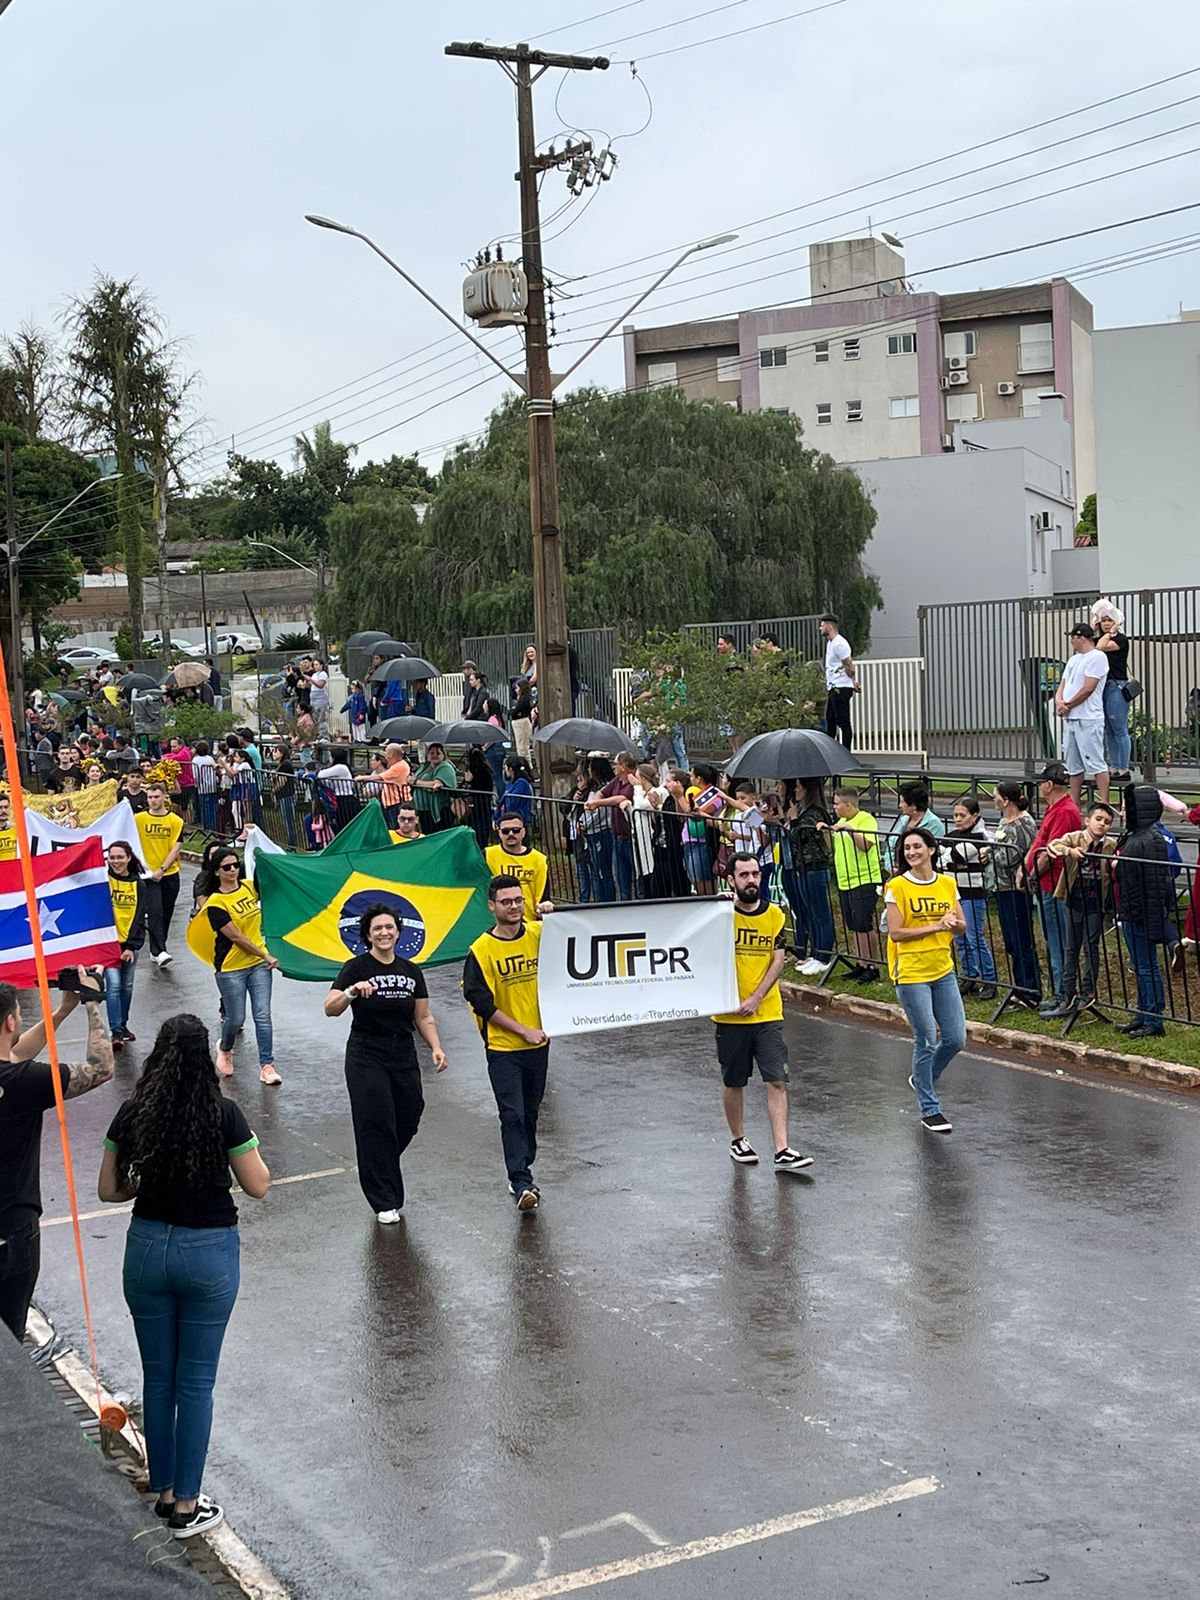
<point x="161" y="483"/>
<point x="549" y="588"/>
<point x="16" y="663"/>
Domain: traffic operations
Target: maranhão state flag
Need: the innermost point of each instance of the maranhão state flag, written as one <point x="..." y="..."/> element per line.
<point x="311" y="905"/>
<point x="75" y="913"/>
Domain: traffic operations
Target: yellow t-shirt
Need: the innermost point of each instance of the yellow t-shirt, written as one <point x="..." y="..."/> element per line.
<point x="8" y="844"/>
<point x="756" y="937"/>
<point x="927" y="959"/>
<point x="501" y="975"/>
<point x="124" y="893"/>
<point x="852" y="866"/>
<point x="241" y="907"/>
<point x="531" y="869"/>
<point x="159" y="836"/>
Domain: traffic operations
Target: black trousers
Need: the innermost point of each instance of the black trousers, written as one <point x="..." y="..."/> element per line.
<point x="20" y="1259"/>
<point x="160" y="898"/>
<point x="385" y="1106"/>
<point x="1085" y="925"/>
<point x="837" y="715"/>
<point x="519" y="1082"/>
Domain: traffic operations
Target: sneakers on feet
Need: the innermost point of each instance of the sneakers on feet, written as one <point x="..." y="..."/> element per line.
<point x="387" y="1216"/>
<point x="225" y="1063"/>
<point x="528" y="1200"/>
<point x="125" y="1036"/>
<point x="789" y="1160"/>
<point x="268" y="1074"/>
<point x="937" y="1123"/>
<point x="164" y="958"/>
<point x="810" y="968"/>
<point x="743" y="1152"/>
<point x="207" y="1515"/>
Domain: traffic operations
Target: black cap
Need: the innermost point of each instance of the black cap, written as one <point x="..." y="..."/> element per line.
<point x="1083" y="630"/>
<point x="1053" y="772"/>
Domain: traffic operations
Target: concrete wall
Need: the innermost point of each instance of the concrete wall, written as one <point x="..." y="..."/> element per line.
<point x="283" y="600"/>
<point x="1148" y="454"/>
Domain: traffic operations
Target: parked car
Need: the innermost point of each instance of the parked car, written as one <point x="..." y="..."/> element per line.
<point x="79" y="657"/>
<point x="178" y="647"/>
<point x="240" y="644"/>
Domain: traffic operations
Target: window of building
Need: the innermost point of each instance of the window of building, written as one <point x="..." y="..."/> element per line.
<point x="776" y="356"/>
<point x="902" y="344"/>
<point x="853" y="410"/>
<point x="658" y="372"/>
<point x="778" y="411"/>
<point x="1036" y="351"/>
<point x="1031" y="401"/>
<point x="959" y="344"/>
<point x="821" y="351"/>
<point x="824" y="411"/>
<point x="849" y="349"/>
<point x="904" y="405"/>
<point x="962" y="408"/>
<point x="729" y="369"/>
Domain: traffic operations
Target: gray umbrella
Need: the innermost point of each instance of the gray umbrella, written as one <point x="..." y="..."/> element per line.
<point x="792" y="753"/>
<point x="406" y="668"/>
<point x="585" y="733"/>
<point x="362" y="641"/>
<point x="137" y="680"/>
<point x="453" y="733"/>
<point x="388" y="649"/>
<point x="403" y="728"/>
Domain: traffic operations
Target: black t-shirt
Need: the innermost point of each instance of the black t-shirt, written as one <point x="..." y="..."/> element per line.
<point x="136" y="802"/>
<point x="26" y="1092"/>
<point x="1118" y="659"/>
<point x="209" y="1206"/>
<point x="387" y="1017"/>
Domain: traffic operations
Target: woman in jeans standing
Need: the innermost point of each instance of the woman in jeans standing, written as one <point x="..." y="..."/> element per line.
<point x="923" y="916"/>
<point x="1109" y="638"/>
<point x="1011" y="842"/>
<point x="808" y="820"/>
<point x="227" y="934"/>
<point x="171" y="1149"/>
<point x="125" y="885"/>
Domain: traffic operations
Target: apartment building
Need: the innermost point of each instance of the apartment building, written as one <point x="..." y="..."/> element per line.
<point x="874" y="371"/>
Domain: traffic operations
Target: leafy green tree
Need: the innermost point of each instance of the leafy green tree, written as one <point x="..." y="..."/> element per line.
<point x="1086" y="529"/>
<point x="684" y="680"/>
<point x="402" y="473"/>
<point x="31" y="385"/>
<point x="370" y="544"/>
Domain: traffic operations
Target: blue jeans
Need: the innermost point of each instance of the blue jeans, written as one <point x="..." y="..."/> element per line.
<point x="602" y="864"/>
<point x="585" y="871"/>
<point x="808" y="895"/>
<point x="1016" y="927"/>
<point x="931" y="1007"/>
<point x="287" y="810"/>
<point x="180" y="1287"/>
<point x="1054" y="926"/>
<point x="622" y="850"/>
<point x="207" y="809"/>
<point x="972" y="946"/>
<point x="118" y="993"/>
<point x="1117" y="744"/>
<point x="1151" y="995"/>
<point x="254" y="982"/>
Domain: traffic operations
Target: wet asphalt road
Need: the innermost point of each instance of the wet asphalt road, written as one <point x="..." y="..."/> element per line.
<point x="676" y="1348"/>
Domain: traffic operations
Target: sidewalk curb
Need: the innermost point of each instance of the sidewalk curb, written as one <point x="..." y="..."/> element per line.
<point x="1058" y="1052"/>
<point x="243" y="1567"/>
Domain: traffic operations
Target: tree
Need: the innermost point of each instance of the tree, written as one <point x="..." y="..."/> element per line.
<point x="324" y="461"/>
<point x="116" y="349"/>
<point x="31" y="385"/>
<point x="1086" y="529"/>
<point x="403" y="473"/>
<point x="683" y="679"/>
<point x="370" y="540"/>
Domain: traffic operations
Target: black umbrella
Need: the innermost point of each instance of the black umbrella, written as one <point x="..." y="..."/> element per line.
<point x="585" y="733"/>
<point x="67" y="694"/>
<point x="137" y="680"/>
<point x="404" y="728"/>
<point x="407" y="668"/>
<point x="361" y="641"/>
<point x="792" y="753"/>
<point x="451" y="733"/>
<point x="387" y="649"/>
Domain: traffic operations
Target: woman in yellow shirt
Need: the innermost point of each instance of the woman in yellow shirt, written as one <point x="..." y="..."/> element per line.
<point x="226" y="933"/>
<point x="923" y="916"/>
<point x="127" y="887"/>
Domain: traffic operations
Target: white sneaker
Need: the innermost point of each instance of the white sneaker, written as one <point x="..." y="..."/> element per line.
<point x="809" y="968"/>
<point x="164" y="958"/>
<point x="387" y="1216"/>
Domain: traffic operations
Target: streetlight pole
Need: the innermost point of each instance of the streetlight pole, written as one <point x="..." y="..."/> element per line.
<point x="317" y="572"/>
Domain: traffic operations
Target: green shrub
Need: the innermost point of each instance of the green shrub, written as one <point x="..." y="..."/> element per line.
<point x="293" y="641"/>
<point x="193" y="720"/>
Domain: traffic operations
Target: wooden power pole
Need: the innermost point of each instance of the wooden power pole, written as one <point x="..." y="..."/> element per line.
<point x="525" y="66"/>
<point x="16" y="658"/>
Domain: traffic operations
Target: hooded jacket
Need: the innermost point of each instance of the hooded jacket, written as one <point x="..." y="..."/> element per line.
<point x="1145" y="886"/>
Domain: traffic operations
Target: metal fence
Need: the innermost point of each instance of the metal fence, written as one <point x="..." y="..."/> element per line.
<point x="799" y="634"/>
<point x="498" y="656"/>
<point x="992" y="666"/>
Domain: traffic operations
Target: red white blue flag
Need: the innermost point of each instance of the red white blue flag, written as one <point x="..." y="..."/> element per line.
<point x="74" y="911"/>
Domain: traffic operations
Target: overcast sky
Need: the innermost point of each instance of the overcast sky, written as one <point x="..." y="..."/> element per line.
<point x="182" y="145"/>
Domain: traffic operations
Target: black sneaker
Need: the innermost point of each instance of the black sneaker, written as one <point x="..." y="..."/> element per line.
<point x="789" y="1160"/>
<point x="124" y="1035"/>
<point x="206" y="1516"/>
<point x="743" y="1152"/>
<point x="937" y="1123"/>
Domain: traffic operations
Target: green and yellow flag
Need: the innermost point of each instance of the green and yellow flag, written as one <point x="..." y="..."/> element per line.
<point x="311" y="904"/>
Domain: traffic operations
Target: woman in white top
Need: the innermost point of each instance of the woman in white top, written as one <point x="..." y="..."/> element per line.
<point x="318" y="699"/>
<point x="645" y="825"/>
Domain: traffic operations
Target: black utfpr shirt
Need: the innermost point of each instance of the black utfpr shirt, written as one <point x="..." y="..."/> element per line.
<point x="210" y="1205"/>
<point x="26" y="1093"/>
<point x="388" y="1017"/>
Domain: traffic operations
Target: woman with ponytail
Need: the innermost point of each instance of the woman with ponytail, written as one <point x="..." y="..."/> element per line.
<point x="173" y="1148"/>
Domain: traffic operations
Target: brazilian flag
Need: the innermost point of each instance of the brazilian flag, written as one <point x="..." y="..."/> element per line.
<point x="311" y="904"/>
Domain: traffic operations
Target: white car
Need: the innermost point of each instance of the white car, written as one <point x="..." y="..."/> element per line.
<point x="247" y="644"/>
<point x="81" y="656"/>
<point x="179" y="647"/>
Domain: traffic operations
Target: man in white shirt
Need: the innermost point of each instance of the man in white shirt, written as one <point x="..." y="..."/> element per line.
<point x="841" y="682"/>
<point x="1079" y="701"/>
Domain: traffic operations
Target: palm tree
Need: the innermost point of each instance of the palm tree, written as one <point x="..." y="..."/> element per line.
<point x="324" y="460"/>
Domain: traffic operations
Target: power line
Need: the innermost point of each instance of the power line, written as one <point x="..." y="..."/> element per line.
<point x="597" y="16"/>
<point x="664" y="27"/>
<point x="718" y="38"/>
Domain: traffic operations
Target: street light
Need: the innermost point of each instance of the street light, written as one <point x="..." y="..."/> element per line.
<point x="314" y="572"/>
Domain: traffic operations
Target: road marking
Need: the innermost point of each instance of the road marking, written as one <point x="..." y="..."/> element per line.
<point x="695" y="1549"/>
<point x="118" y="1211"/>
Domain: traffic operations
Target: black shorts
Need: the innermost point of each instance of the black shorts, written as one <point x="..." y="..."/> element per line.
<point x="858" y="907"/>
<point x="741" y="1046"/>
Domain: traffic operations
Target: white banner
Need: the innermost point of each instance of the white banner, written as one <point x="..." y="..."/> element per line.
<point x="610" y="966"/>
<point x="115" y="823"/>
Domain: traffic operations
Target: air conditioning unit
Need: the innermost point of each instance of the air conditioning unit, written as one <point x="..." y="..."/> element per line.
<point x="1006" y="388"/>
<point x="1045" y="521"/>
<point x="947" y="441"/>
<point x="953" y="379"/>
<point x="956" y="363"/>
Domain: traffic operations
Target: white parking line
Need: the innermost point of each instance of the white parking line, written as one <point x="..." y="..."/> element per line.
<point x="117" y="1211"/>
<point x="671" y="1555"/>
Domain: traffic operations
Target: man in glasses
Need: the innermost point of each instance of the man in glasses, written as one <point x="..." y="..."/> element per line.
<point x="514" y="856"/>
<point x="408" y="823"/>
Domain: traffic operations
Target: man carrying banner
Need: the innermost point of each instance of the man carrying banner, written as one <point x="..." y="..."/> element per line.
<point x="26" y="1092"/>
<point x="752" y="1035"/>
<point x="160" y="831"/>
<point x="519" y="860"/>
<point x="500" y="985"/>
